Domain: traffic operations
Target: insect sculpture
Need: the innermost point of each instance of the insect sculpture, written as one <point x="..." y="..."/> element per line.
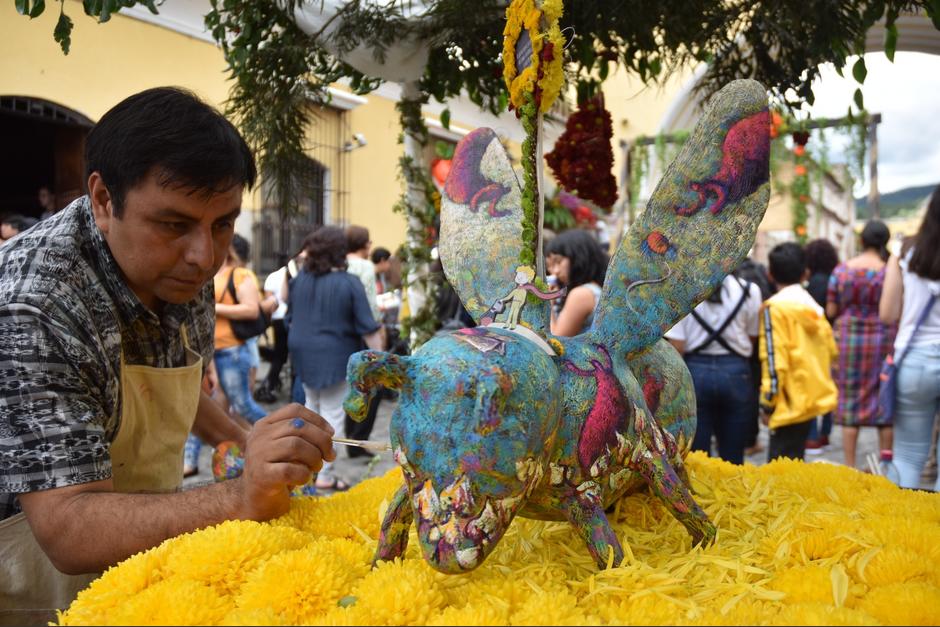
<point x="505" y="419"/>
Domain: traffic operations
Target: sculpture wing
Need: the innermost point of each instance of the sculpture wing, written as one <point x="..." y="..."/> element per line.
<point x="481" y="228"/>
<point x="698" y="225"/>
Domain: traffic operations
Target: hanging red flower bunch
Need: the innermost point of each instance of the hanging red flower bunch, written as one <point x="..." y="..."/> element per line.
<point x="583" y="157"/>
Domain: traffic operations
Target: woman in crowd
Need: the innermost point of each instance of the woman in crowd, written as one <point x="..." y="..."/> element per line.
<point x="577" y="261"/>
<point x="863" y="340"/>
<point x="821" y="259"/>
<point x="911" y="288"/>
<point x="328" y="319"/>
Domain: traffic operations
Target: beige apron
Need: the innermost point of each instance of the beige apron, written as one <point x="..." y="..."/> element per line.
<point x="158" y="407"/>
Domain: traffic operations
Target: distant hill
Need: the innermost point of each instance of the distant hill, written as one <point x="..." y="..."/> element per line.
<point x="902" y="202"/>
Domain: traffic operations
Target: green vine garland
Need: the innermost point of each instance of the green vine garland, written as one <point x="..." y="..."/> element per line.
<point x="528" y="114"/>
<point x="421" y="220"/>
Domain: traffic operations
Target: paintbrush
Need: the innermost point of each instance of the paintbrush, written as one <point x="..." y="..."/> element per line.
<point x="366" y="444"/>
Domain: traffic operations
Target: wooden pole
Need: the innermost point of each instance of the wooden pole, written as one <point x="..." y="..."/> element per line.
<point x="874" y="199"/>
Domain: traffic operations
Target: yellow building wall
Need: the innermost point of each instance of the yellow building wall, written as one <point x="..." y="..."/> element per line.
<point x="373" y="172"/>
<point x="111" y="61"/>
<point x="107" y="62"/>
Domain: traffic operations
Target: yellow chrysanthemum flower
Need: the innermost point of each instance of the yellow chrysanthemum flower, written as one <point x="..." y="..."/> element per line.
<point x="300" y="585"/>
<point x="904" y="604"/>
<point x="398" y="593"/>
<point x="223" y="555"/>
<point x="172" y="601"/>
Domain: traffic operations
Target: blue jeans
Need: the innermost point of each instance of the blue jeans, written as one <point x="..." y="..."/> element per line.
<point x="917" y="404"/>
<point x="815" y="432"/>
<point x="232" y="365"/>
<point x="723" y="395"/>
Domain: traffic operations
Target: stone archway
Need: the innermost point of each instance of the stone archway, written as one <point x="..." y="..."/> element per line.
<point x="43" y="146"/>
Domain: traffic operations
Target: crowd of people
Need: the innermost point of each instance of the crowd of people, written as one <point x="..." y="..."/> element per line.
<point x="318" y="308"/>
<point x="820" y="332"/>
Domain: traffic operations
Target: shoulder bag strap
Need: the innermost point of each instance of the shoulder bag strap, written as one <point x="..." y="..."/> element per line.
<point x="231" y="286"/>
<point x="920" y="321"/>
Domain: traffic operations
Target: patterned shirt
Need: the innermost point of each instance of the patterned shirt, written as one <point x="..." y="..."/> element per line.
<point x="66" y="316"/>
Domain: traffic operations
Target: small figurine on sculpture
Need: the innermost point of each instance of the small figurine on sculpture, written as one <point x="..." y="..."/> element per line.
<point x="515" y="300"/>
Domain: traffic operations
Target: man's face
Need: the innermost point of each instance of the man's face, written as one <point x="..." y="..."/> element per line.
<point x="169" y="241"/>
<point x="382" y="266"/>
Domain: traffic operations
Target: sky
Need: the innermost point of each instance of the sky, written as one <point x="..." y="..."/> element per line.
<point x="907" y="95"/>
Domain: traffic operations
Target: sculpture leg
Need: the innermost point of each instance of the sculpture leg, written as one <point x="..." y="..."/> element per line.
<point x="585" y="513"/>
<point x="675" y="494"/>
<point x="393" y="536"/>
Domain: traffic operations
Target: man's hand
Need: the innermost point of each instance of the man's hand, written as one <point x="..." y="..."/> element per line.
<point x="765" y="414"/>
<point x="283" y="449"/>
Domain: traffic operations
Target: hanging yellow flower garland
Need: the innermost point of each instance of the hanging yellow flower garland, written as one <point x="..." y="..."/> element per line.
<point x="544" y="75"/>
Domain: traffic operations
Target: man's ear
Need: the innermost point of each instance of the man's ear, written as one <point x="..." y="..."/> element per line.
<point x="101" y="204"/>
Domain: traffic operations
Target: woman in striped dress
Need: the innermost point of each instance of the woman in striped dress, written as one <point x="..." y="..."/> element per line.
<point x="863" y="340"/>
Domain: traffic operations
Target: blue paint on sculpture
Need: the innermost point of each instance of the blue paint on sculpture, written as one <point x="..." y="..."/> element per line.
<point x="505" y="420"/>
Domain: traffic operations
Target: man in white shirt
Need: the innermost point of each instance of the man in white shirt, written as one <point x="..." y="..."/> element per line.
<point x="717" y="340"/>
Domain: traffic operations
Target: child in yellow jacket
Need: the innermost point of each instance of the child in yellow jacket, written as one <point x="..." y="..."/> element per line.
<point x="796" y="351"/>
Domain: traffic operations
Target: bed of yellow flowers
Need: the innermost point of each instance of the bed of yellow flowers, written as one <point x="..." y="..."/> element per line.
<point x="797" y="544"/>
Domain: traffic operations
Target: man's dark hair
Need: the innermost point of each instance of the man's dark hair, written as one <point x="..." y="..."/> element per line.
<point x="821" y="256"/>
<point x="357" y="238"/>
<point x="587" y="258"/>
<point x="171" y="132"/>
<point x="875" y="236"/>
<point x="787" y="263"/>
<point x="241" y="247"/>
<point x="326" y="249"/>
<point x="380" y="254"/>
<point x="13" y="219"/>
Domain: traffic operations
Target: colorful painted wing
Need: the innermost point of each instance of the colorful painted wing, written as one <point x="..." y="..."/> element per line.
<point x="481" y="233"/>
<point x="698" y="225"/>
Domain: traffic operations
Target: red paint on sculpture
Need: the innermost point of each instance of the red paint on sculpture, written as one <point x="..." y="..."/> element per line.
<point x="745" y="166"/>
<point x="466" y="184"/>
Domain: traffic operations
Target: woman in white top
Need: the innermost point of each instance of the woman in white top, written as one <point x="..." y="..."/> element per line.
<point x="717" y="340"/>
<point x="577" y="261"/>
<point x="912" y="283"/>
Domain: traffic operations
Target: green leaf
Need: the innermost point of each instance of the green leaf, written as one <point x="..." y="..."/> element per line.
<point x="656" y="66"/>
<point x="22" y="7"/>
<point x="107" y="8"/>
<point x="859" y="100"/>
<point x="151" y="5"/>
<point x="38" y="7"/>
<point x="891" y="41"/>
<point x="63" y="32"/>
<point x="933" y="10"/>
<point x="445" y="118"/>
<point x="347" y="601"/>
<point x="859" y="71"/>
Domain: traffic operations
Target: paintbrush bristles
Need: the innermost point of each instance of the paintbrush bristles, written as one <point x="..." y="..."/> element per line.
<point x="366" y="444"/>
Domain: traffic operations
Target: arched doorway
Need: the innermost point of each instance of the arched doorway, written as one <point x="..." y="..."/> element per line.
<point x="43" y="147"/>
